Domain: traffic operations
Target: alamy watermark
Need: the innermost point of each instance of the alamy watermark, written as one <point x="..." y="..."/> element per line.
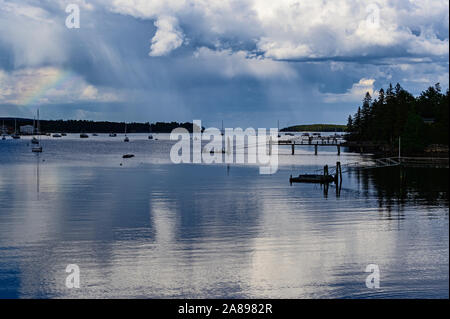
<point x="73" y="279"/>
<point x="73" y="19"/>
<point x="373" y="279"/>
<point x="230" y="146"/>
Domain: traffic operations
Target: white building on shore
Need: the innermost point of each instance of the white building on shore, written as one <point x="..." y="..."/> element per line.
<point x="26" y="129"/>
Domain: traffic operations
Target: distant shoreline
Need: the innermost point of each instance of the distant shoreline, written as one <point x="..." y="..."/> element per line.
<point x="315" y="128"/>
<point x="85" y="126"/>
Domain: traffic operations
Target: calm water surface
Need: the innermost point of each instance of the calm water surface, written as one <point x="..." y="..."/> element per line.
<point x="152" y="229"/>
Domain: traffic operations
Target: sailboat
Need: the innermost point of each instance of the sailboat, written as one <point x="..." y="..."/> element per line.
<point x="3" y="131"/>
<point x="38" y="148"/>
<point x="126" y="137"/>
<point x="222" y="131"/>
<point x="34" y="140"/>
<point x="150" y="137"/>
<point x="15" y="135"/>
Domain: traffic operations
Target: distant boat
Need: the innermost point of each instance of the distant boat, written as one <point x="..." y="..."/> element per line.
<point x="126" y="137"/>
<point x="112" y="134"/>
<point x="150" y="137"/>
<point x="15" y="136"/>
<point x="3" y="131"/>
<point x="56" y="135"/>
<point x="95" y="134"/>
<point x="34" y="140"/>
<point x="63" y="134"/>
<point x="128" y="156"/>
<point x="84" y="135"/>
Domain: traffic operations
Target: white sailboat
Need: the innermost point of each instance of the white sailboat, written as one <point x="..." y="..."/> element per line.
<point x="15" y="136"/>
<point x="150" y="137"/>
<point x="38" y="148"/>
<point x="34" y="140"/>
<point x="126" y="137"/>
<point x="3" y="131"/>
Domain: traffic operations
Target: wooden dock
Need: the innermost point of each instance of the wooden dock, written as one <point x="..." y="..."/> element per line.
<point x="337" y="143"/>
<point x="417" y="162"/>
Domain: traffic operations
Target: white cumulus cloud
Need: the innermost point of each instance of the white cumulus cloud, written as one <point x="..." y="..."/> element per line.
<point x="168" y="36"/>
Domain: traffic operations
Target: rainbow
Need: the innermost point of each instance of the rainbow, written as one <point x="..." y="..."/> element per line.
<point x="60" y="79"/>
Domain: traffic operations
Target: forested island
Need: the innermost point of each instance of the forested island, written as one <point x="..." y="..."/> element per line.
<point x="315" y="128"/>
<point x="418" y="122"/>
<point x="84" y="126"/>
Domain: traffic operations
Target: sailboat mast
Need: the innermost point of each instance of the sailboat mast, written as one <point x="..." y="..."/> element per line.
<point x="38" y="126"/>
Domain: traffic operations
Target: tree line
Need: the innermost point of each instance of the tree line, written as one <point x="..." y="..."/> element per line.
<point x="419" y="121"/>
<point x="84" y="126"/>
<point x="315" y="128"/>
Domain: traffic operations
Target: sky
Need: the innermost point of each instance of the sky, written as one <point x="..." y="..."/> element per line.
<point x="249" y="63"/>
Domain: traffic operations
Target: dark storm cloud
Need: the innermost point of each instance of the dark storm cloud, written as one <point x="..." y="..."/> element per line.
<point x="244" y="61"/>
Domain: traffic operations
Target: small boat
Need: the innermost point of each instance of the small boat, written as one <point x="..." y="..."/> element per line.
<point x="312" y="178"/>
<point x="305" y="134"/>
<point x="63" y="134"/>
<point x="128" y="156"/>
<point x="34" y="140"/>
<point x="56" y="135"/>
<point x="3" y="131"/>
<point x="95" y="134"/>
<point x="15" y="136"/>
<point x="112" y="134"/>
<point x="150" y="137"/>
<point x="126" y="139"/>
<point x="84" y="135"/>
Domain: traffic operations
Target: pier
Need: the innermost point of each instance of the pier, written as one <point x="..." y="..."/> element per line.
<point x="417" y="162"/>
<point x="322" y="142"/>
